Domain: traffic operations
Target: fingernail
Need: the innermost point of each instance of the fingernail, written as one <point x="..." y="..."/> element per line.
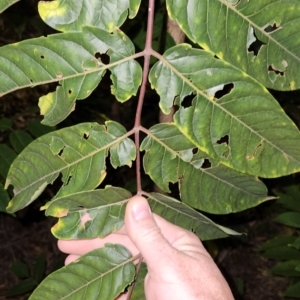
<point x="141" y="210"/>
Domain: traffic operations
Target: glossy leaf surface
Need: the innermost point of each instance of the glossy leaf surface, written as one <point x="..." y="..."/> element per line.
<point x="216" y="189"/>
<point x="259" y="37"/>
<point x="73" y="60"/>
<point x="77" y="152"/>
<point x="100" y="274"/>
<point x="245" y="128"/>
<point x="72" y="15"/>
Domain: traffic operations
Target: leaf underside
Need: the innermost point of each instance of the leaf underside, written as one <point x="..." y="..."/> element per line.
<point x="52" y="59"/>
<point x="72" y="15"/>
<point x="259" y="37"/>
<point x="103" y="211"/>
<point x="77" y="152"/>
<point x="100" y="274"/>
<point x="245" y="128"/>
<point x="217" y="189"/>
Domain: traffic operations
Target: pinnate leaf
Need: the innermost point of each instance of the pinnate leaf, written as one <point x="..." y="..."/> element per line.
<point x="100" y="274"/>
<point x="245" y="129"/>
<point x="72" y="15"/>
<point x="169" y="158"/>
<point x="77" y="152"/>
<point x="104" y="208"/>
<point x="74" y="60"/>
<point x="259" y="37"/>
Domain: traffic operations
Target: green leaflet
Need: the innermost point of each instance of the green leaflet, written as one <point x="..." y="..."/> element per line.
<point x="7" y="155"/>
<point x="230" y="28"/>
<point x="77" y="152"/>
<point x="72" y="15"/>
<point x="217" y="189"/>
<point x="105" y="209"/>
<point x="289" y="218"/>
<point x="287" y="268"/>
<point x="72" y="59"/>
<point x="19" y="139"/>
<point x="245" y="129"/>
<point x="138" y="291"/>
<point x="292" y="290"/>
<point x="4" y="4"/>
<point x="100" y="274"/>
<point x="103" y="212"/>
<point x="182" y="215"/>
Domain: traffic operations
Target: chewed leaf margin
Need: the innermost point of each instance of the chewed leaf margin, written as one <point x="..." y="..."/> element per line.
<point x="78" y="153"/>
<point x="245" y="128"/>
<point x="72" y="15"/>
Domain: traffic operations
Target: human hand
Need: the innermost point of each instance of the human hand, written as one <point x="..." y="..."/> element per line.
<point x="178" y="265"/>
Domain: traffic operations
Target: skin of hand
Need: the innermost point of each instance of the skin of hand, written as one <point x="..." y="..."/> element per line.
<point x="179" y="267"/>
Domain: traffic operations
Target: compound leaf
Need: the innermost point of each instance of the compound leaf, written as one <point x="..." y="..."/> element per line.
<point x="91" y="214"/>
<point x="259" y="37"/>
<point x="103" y="211"/>
<point x="72" y="15"/>
<point x="244" y="128"/>
<point x="216" y="189"/>
<point x="74" y="60"/>
<point x="77" y="152"/>
<point x="100" y="274"/>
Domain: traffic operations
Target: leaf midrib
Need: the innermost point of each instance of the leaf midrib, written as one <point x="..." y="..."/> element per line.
<point x="198" y="91"/>
<point x="233" y="8"/>
<point x="75" y="162"/>
<point x="177" y="155"/>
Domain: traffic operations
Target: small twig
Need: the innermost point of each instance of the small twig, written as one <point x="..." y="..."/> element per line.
<point x="137" y="270"/>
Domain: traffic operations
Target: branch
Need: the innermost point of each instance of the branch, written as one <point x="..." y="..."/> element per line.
<point x="147" y="53"/>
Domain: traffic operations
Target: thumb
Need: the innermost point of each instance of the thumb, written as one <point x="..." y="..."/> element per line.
<point x="144" y="232"/>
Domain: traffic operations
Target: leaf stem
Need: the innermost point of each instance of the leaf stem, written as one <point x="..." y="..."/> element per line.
<point x="137" y="270"/>
<point x="147" y="53"/>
